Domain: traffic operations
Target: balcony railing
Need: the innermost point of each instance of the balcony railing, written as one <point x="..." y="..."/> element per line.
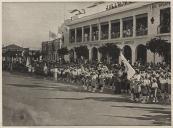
<point x="128" y="33"/>
<point x="95" y="37"/>
<point x="72" y="40"/>
<point x="141" y="32"/>
<point x="86" y="39"/>
<point x="104" y="36"/>
<point x="79" y="39"/>
<point x="115" y="35"/>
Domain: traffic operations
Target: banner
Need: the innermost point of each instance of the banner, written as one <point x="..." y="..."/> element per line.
<point x="129" y="69"/>
<point x="27" y="62"/>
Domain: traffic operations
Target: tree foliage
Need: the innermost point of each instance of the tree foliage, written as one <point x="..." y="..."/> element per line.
<point x="160" y="46"/>
<point x="110" y="50"/>
<point x="63" y="51"/>
<point x="82" y="51"/>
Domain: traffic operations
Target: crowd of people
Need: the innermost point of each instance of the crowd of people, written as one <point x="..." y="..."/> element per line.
<point x="150" y="83"/>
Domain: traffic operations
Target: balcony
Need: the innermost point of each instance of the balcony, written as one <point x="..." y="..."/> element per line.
<point x="72" y="39"/>
<point x="128" y="27"/>
<point x="95" y="35"/>
<point x="79" y="39"/>
<point x="86" y="37"/>
<point x="142" y="32"/>
<point x="128" y="32"/>
<point x="115" y="35"/>
<point x="104" y="31"/>
<point x="104" y="36"/>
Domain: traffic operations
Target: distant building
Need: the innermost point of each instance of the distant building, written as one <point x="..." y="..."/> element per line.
<point x="50" y="50"/>
<point x="12" y="47"/>
<point x="14" y="52"/>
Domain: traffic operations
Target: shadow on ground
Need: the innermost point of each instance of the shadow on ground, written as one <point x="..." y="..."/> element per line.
<point x="53" y="88"/>
<point x="163" y="116"/>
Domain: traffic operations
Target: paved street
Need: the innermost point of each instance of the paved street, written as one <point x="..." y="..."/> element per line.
<point x="33" y="100"/>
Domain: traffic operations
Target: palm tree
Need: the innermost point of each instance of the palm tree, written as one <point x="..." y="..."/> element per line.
<point x="82" y="51"/>
<point x="161" y="47"/>
<point x="62" y="52"/>
<point x="109" y="50"/>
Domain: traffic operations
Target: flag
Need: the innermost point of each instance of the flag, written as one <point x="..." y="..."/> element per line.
<point x="52" y="35"/>
<point x="129" y="69"/>
<point x="27" y="62"/>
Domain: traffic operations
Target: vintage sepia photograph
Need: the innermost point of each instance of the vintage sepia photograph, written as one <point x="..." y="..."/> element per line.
<point x="100" y="63"/>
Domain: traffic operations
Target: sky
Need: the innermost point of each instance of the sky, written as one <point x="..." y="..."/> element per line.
<point x="28" y="24"/>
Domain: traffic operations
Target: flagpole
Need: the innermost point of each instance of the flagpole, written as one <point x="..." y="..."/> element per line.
<point x="49" y="35"/>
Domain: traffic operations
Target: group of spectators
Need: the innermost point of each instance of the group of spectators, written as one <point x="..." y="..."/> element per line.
<point x="151" y="82"/>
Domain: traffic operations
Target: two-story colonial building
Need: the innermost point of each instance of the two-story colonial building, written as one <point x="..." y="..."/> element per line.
<point x="129" y="27"/>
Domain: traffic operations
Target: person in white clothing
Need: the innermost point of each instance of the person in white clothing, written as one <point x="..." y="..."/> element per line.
<point x="154" y="88"/>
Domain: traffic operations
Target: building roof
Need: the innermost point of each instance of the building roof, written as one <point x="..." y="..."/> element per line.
<point x="13" y="47"/>
<point x="109" y="12"/>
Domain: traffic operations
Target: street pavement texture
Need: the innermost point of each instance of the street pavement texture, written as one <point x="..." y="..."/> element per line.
<point x="30" y="100"/>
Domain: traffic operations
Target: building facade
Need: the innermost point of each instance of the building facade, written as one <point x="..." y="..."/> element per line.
<point x="50" y="50"/>
<point x="129" y="27"/>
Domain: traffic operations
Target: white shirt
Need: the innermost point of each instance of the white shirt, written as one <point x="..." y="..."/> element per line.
<point x="138" y="77"/>
<point x="146" y="82"/>
<point x="154" y="85"/>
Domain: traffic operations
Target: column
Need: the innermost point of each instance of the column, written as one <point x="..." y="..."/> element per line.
<point x="121" y="28"/>
<point x="55" y="73"/>
<point x="90" y="38"/>
<point x="133" y="54"/>
<point x="75" y="35"/>
<point x="99" y="26"/>
<point x="134" y="26"/>
<point x="74" y="55"/>
<point x="121" y="52"/>
<point x="109" y="37"/>
<point x="98" y="55"/>
<point x="90" y="54"/>
<point x="82" y="34"/>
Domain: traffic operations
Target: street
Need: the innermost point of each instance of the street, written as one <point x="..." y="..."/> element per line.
<point x="35" y="100"/>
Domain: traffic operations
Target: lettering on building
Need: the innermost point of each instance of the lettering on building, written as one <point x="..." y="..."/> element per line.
<point x="117" y="5"/>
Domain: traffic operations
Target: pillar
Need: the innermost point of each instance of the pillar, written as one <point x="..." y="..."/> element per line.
<point x="74" y="54"/>
<point x="121" y="52"/>
<point x="134" y="26"/>
<point x="98" y="55"/>
<point x="109" y="36"/>
<point x="90" y="36"/>
<point x="133" y="54"/>
<point x="99" y="26"/>
<point x="121" y="28"/>
<point x="75" y="35"/>
<point x="90" y="54"/>
<point x="82" y="34"/>
<point x="55" y="73"/>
